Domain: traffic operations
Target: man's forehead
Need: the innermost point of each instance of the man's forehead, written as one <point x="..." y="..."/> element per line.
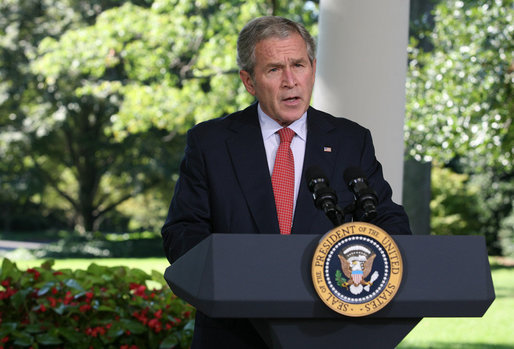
<point x="292" y="48"/>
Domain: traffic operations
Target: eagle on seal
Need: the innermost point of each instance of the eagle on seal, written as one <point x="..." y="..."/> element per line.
<point x="355" y="272"/>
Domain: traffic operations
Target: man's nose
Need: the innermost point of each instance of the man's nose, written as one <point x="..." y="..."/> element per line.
<point x="288" y="78"/>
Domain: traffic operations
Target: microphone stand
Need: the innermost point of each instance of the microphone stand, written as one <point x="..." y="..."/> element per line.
<point x="335" y="214"/>
<point x="351" y="209"/>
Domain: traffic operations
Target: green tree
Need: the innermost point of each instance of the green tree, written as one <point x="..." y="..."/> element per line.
<point x="460" y="101"/>
<point x="23" y="25"/>
<point x="110" y="97"/>
<point x="460" y="93"/>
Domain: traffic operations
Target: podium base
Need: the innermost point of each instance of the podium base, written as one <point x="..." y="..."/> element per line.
<point x="324" y="333"/>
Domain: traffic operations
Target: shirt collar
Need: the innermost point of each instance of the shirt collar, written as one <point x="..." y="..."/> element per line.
<point x="269" y="126"/>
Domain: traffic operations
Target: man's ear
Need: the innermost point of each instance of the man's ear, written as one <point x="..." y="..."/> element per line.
<point x="314" y="69"/>
<point x="247" y="80"/>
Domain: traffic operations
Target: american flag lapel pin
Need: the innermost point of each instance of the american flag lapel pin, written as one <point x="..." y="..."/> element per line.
<point x="327" y="149"/>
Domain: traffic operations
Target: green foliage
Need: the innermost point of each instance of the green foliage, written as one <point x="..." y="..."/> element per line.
<point x="460" y="108"/>
<point x="100" y="307"/>
<point x="340" y="279"/>
<point x="506" y="236"/>
<point x="495" y="204"/>
<point x="472" y="204"/>
<point x="454" y="204"/>
<point x="459" y="95"/>
<point x="97" y="96"/>
<point x="70" y="244"/>
<point x="97" y="245"/>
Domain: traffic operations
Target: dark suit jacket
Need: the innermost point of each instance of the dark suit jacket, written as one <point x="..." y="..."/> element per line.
<point x="225" y="186"/>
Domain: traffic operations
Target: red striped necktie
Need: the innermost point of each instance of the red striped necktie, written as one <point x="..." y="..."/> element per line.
<point x="282" y="180"/>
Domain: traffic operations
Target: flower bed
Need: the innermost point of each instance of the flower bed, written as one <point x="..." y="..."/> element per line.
<point x="101" y="307"/>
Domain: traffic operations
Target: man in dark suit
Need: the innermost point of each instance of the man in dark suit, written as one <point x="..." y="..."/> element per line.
<point x="225" y="183"/>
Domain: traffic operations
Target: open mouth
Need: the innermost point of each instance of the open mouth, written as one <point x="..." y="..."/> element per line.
<point x="291" y="99"/>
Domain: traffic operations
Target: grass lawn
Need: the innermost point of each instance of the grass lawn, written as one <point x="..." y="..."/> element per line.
<point x="494" y="330"/>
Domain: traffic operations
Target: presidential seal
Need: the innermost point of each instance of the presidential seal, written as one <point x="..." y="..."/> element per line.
<point x="357" y="269"/>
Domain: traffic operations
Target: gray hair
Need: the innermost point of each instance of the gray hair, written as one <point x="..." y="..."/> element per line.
<point x="267" y="27"/>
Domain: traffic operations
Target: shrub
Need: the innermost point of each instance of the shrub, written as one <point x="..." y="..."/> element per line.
<point x="101" y="307"/>
<point x="454" y="206"/>
<point x="478" y="204"/>
<point x="102" y="245"/>
<point x="506" y="236"/>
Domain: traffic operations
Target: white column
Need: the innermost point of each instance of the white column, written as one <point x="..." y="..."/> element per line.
<point x="361" y="68"/>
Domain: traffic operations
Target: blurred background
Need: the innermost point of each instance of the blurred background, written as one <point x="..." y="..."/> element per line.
<point x="96" y="97"/>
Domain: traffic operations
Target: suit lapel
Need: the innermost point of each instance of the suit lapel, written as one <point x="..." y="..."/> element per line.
<point x="246" y="149"/>
<point x="320" y="150"/>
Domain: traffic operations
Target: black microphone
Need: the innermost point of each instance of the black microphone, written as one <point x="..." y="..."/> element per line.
<point x="366" y="198"/>
<point x="325" y="198"/>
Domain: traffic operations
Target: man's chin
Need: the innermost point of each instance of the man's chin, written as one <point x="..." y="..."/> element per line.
<point x="288" y="119"/>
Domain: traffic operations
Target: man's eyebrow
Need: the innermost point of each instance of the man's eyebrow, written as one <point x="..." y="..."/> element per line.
<point x="274" y="65"/>
<point x="281" y="64"/>
<point x="301" y="60"/>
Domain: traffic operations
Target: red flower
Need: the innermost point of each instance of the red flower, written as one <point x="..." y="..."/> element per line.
<point x="84" y="308"/>
<point x="68" y="298"/>
<point x="141" y="316"/>
<point x="139" y="290"/>
<point x="155" y="324"/>
<point x="7" y="293"/>
<point x="35" y="272"/>
<point x="53" y="302"/>
<point x="5" y="283"/>
<point x="89" y="295"/>
<point x="57" y="273"/>
<point x="95" y="331"/>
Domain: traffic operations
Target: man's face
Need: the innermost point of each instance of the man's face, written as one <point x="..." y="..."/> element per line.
<point x="283" y="78"/>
